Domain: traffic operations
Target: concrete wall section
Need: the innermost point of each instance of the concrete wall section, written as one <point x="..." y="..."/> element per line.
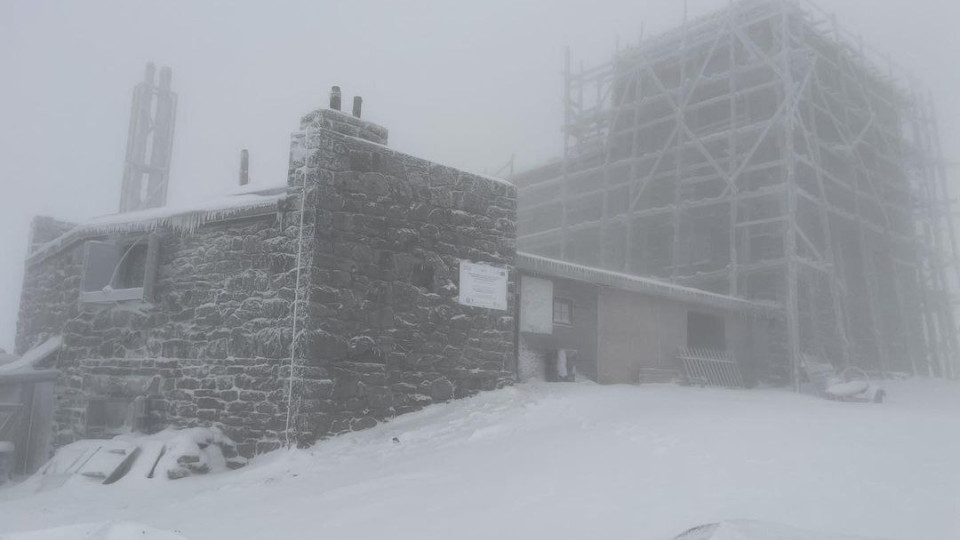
<point x="639" y="336"/>
<point x="634" y="332"/>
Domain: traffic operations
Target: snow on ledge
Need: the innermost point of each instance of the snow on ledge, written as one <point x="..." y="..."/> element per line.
<point x="539" y="264"/>
<point x="187" y="217"/>
<point x="34" y="355"/>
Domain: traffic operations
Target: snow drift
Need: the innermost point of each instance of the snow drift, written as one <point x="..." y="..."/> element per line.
<point x="572" y="461"/>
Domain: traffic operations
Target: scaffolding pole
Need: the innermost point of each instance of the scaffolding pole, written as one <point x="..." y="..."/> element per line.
<point x="760" y="152"/>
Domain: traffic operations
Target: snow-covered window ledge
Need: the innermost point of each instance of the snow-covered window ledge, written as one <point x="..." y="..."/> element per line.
<point x="108" y="295"/>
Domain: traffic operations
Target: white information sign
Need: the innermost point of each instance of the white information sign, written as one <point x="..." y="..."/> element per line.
<point x="536" y="305"/>
<point x="483" y="286"/>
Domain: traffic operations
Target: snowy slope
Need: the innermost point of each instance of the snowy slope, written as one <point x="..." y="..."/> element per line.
<point x="572" y="461"/>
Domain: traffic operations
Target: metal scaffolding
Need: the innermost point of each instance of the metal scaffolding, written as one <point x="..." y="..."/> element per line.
<point x="763" y="152"/>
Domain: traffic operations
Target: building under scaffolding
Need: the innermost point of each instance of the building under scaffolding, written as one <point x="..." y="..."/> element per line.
<point x="763" y="152"/>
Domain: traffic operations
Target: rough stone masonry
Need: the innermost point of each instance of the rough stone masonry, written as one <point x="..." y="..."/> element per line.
<point x="369" y="270"/>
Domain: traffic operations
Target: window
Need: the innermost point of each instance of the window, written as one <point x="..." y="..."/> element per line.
<point x="118" y="271"/>
<point x="132" y="268"/>
<point x="562" y="311"/>
<point x="108" y="416"/>
<point x="705" y="331"/>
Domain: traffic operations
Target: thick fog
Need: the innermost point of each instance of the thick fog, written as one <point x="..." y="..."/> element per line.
<point x="464" y="83"/>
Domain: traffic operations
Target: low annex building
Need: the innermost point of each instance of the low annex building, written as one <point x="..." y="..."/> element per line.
<point x="616" y="328"/>
<point x="350" y="273"/>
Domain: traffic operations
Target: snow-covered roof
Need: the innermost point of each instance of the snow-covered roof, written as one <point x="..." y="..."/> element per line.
<point x="186" y="217"/>
<point x="26" y="363"/>
<point x="562" y="269"/>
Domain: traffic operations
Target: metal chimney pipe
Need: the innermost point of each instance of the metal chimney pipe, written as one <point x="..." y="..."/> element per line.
<point x="335" y="98"/>
<point x="166" y="75"/>
<point x="244" y="167"/>
<point x="149" y="75"/>
<point x="357" y="105"/>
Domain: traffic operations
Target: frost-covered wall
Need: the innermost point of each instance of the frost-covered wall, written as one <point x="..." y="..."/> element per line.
<point x="379" y="329"/>
<point x="386" y="333"/>
<point x="207" y="351"/>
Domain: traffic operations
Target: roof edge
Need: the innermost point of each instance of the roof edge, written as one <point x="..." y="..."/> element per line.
<point x="187" y="219"/>
<point x="654" y="287"/>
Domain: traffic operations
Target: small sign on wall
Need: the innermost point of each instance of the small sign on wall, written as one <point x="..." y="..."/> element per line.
<point x="482" y="285"/>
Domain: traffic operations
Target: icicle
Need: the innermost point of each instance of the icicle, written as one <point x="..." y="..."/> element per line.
<point x="184" y="220"/>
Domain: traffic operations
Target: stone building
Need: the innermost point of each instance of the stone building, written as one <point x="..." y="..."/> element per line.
<point x="348" y="276"/>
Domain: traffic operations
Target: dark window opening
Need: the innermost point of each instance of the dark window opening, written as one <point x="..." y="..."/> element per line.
<point x="119" y="271"/>
<point x="562" y="311"/>
<point x="423" y="276"/>
<point x="132" y="268"/>
<point x="705" y="331"/>
<point x="108" y="416"/>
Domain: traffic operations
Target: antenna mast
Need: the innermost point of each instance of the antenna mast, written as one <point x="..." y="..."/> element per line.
<point x="146" y="171"/>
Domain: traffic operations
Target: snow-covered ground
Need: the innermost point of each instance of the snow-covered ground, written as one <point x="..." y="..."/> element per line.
<point x="568" y="461"/>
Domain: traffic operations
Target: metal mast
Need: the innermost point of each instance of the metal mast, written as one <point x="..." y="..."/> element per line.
<point x="146" y="172"/>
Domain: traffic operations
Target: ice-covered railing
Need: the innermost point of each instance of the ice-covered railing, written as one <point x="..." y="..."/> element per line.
<point x="184" y="218"/>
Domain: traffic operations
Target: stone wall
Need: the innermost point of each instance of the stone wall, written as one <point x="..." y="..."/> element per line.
<point x="379" y="331"/>
<point x="207" y="351"/>
<point x="386" y="333"/>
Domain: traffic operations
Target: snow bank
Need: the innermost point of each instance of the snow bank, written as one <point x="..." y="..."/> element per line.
<point x="757" y="530"/>
<point x="168" y="455"/>
<point x="569" y="462"/>
<point x="185" y="452"/>
<point x="97" y="531"/>
<point x="94" y="461"/>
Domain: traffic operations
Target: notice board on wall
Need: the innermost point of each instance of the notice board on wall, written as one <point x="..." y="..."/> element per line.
<point x="482" y="285"/>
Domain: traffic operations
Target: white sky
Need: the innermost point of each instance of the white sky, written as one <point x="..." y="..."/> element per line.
<point x="463" y="83"/>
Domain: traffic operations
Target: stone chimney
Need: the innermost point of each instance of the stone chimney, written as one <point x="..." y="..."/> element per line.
<point x="335" y="120"/>
<point x="312" y="125"/>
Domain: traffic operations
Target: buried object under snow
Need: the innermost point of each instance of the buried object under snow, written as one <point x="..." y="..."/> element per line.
<point x="853" y="384"/>
<point x="170" y="454"/>
<point x="850" y="384"/>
